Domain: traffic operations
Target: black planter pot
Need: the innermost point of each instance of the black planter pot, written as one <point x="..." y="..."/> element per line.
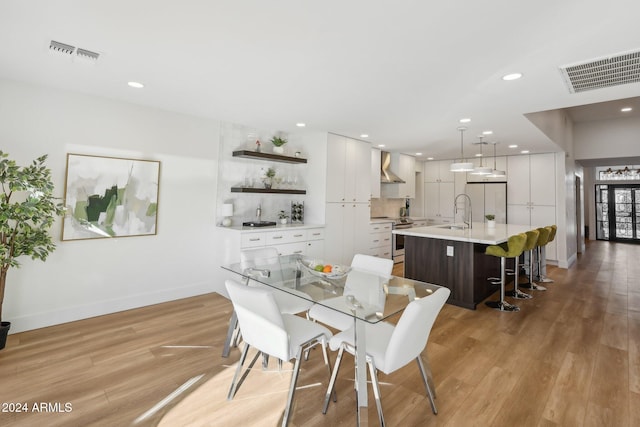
<point x="4" y="331"/>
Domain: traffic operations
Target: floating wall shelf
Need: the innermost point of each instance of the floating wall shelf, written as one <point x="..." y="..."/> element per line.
<point x="268" y="156"/>
<point x="266" y="190"/>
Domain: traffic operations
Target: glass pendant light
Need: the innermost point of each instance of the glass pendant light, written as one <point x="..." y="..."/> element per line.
<point x="462" y="165"/>
<point x="495" y="173"/>
<point x="481" y="170"/>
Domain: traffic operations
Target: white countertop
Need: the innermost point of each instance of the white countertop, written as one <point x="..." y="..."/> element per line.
<point x="272" y="228"/>
<point x="479" y="233"/>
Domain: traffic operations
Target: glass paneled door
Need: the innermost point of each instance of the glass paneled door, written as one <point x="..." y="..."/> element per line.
<point x="618" y="212"/>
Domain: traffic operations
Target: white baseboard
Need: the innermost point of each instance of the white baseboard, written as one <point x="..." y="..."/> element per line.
<point x="100" y="308"/>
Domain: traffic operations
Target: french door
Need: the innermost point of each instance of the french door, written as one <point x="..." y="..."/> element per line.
<point x="618" y="212"/>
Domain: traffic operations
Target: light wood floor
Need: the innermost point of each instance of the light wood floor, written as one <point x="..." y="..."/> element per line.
<point x="570" y="357"/>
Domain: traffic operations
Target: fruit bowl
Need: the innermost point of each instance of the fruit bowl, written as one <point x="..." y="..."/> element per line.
<point x="318" y="268"/>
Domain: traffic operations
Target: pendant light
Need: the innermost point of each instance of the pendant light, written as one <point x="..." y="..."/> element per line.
<point x="495" y="173"/>
<point x="461" y="166"/>
<point x="481" y="170"/>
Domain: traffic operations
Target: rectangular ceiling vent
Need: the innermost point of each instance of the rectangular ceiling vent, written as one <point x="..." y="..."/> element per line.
<point x="610" y="71"/>
<point x="63" y="48"/>
<point x="87" y="54"/>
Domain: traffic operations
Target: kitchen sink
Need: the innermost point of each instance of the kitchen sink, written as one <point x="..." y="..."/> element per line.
<point x="454" y="227"/>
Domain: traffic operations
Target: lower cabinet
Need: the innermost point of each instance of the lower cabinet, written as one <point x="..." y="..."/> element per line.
<point x="380" y="239"/>
<point x="308" y="242"/>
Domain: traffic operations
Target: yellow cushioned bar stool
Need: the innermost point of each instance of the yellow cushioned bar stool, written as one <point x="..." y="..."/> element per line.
<point x="515" y="245"/>
<point x="552" y="235"/>
<point x="532" y="238"/>
<point x="543" y="239"/>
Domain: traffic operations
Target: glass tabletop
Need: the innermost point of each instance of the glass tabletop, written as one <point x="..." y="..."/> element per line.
<point x="358" y="293"/>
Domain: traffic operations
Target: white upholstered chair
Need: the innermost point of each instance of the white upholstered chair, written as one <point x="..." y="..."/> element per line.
<point x="390" y="348"/>
<point x="365" y="263"/>
<point x="264" y="327"/>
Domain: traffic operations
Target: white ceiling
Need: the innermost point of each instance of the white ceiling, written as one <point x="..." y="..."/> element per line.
<point x="403" y="72"/>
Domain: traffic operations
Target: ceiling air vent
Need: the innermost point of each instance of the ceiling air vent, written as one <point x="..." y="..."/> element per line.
<point x="61" y="47"/>
<point x="615" y="70"/>
<point x="87" y="54"/>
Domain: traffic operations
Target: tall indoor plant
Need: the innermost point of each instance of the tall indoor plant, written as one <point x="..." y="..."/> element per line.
<point x="27" y="212"/>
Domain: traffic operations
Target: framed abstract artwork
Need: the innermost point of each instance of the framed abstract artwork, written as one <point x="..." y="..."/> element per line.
<point x="110" y="197"/>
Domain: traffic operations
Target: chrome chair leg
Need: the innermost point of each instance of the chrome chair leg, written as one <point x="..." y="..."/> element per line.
<point x="517" y="293"/>
<point x="539" y="274"/>
<point x="231" y="332"/>
<point x="235" y="383"/>
<point x="502" y="305"/>
<point x="376" y="390"/>
<point x="530" y="284"/>
<point x="428" y="383"/>
<point x="332" y="381"/>
<point x="292" y="387"/>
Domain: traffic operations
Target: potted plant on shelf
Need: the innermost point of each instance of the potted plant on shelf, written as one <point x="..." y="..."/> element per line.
<point x="283" y="217"/>
<point x="491" y="220"/>
<point x="269" y="175"/>
<point x="278" y="144"/>
<point x="27" y="212"/>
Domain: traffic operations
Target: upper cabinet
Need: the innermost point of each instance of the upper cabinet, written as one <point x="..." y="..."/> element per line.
<point x="405" y="167"/>
<point x="375" y="173"/>
<point x="438" y="171"/>
<point x="348" y="161"/>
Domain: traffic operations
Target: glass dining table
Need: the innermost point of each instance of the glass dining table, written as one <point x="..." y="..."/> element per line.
<point x="367" y="298"/>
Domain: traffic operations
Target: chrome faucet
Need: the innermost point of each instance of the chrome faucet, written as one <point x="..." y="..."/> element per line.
<point x="469" y="223"/>
<point x="259" y="213"/>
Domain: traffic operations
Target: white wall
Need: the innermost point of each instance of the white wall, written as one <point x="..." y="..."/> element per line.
<point x="605" y="139"/>
<point x="92" y="277"/>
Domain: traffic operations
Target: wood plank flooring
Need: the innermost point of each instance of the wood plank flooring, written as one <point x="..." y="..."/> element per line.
<point x="570" y="357"/>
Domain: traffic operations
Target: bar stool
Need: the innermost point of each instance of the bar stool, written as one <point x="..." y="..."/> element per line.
<point x="515" y="245"/>
<point x="552" y="235"/>
<point x="532" y="238"/>
<point x="543" y="239"/>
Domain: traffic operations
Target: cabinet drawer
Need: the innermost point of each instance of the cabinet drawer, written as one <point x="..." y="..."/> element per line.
<point x="252" y="240"/>
<point x="315" y="234"/>
<point x="380" y="227"/>
<point x="379" y="239"/>
<point x="285" y="236"/>
<point x="380" y="252"/>
<point x="292" y="248"/>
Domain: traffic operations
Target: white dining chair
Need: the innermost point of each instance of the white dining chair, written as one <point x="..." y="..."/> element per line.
<point x="361" y="262"/>
<point x="265" y="328"/>
<point x="390" y="348"/>
<point x="253" y="262"/>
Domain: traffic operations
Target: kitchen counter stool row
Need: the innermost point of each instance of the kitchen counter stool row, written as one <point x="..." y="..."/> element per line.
<point x="528" y="242"/>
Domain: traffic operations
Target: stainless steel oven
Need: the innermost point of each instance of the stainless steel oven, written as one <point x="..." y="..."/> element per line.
<point x="398" y="240"/>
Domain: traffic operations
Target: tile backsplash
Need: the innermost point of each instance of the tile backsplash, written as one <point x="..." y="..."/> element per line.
<point x="386" y="207"/>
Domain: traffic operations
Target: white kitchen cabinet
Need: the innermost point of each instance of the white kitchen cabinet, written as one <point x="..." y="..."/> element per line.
<point x="294" y="240"/>
<point x="375" y="173"/>
<point x="348" y="161"/>
<point x="405" y="167"/>
<point x="380" y="240"/>
<point x="438" y="171"/>
<point x="346" y="231"/>
<point x="438" y="202"/>
<point x="531" y="193"/>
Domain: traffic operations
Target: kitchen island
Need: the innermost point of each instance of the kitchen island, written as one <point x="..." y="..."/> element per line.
<point x="453" y="256"/>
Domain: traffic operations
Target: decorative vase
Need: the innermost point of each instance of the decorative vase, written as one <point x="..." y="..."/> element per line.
<point x="491" y="223"/>
<point x="278" y="150"/>
<point x="4" y="331"/>
<point x="283" y="221"/>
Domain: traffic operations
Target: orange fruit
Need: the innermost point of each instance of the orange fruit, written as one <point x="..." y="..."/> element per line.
<point x="327" y="269"/>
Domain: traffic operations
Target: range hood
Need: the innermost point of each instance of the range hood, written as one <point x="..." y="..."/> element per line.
<point x="386" y="175"/>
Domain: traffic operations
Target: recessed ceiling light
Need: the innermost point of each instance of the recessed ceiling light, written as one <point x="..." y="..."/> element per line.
<point x="525" y="151"/>
<point x="465" y="120"/>
<point x="364" y="135"/>
<point x="478" y="155"/>
<point x="301" y="125"/>
<point x="512" y="76"/>
<point x="513" y="146"/>
<point x="136" y="85"/>
<point x="626" y="109"/>
<point x="380" y="145"/>
<point x="429" y="158"/>
<point x="487" y="132"/>
<point x="418" y="154"/>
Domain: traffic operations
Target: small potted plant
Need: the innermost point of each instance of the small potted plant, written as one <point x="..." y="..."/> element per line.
<point x="491" y="220"/>
<point x="269" y="175"/>
<point x="282" y="215"/>
<point x="278" y="144"/>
